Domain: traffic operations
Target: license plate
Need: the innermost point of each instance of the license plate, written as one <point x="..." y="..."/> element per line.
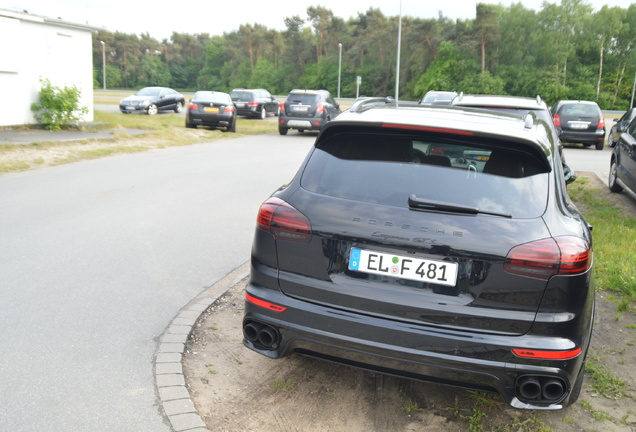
<point x="299" y="108"/>
<point x="579" y="125"/>
<point x="240" y="105"/>
<point x="411" y="268"/>
<point x="211" y="109"/>
<point x="130" y="108"/>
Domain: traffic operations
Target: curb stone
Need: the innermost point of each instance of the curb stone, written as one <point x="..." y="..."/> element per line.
<point x="174" y="397"/>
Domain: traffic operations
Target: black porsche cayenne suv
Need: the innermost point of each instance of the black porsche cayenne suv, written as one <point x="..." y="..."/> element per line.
<point x="430" y="243"/>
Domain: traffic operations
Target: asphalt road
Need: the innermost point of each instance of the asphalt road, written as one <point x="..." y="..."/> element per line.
<point x="98" y="257"/>
<point x="588" y="159"/>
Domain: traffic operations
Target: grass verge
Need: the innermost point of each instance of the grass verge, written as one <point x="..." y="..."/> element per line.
<point x="163" y="130"/>
<point x="614" y="236"/>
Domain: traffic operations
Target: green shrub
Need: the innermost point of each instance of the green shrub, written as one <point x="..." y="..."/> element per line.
<point x="57" y="106"/>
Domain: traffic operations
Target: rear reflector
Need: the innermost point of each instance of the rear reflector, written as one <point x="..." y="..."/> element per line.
<point x="264" y="304"/>
<point x="284" y="221"/>
<point x="545" y="258"/>
<point x="546" y="355"/>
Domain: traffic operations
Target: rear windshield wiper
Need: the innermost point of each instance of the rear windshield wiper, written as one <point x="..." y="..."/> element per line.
<point x="416" y="203"/>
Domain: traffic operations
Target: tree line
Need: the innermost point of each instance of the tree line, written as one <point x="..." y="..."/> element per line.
<point x="562" y="51"/>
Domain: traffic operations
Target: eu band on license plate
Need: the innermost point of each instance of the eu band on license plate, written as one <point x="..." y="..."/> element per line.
<point x="411" y="268"/>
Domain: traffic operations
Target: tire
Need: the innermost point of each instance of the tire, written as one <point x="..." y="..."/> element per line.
<point x="178" y="107"/>
<point x="600" y="145"/>
<point x="301" y="130"/>
<point x="263" y="113"/>
<point x="190" y="125"/>
<point x="610" y="140"/>
<point x="587" y="145"/>
<point x="282" y="130"/>
<point x="613" y="174"/>
<point x="152" y="109"/>
<point x="232" y="127"/>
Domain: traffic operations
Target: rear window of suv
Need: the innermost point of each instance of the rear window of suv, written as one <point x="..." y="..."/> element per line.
<point x="581" y="110"/>
<point x="387" y="169"/>
<point x="305" y="99"/>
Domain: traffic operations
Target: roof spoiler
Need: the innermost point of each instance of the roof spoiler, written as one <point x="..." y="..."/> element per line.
<point x="368" y="103"/>
<point x="460" y="96"/>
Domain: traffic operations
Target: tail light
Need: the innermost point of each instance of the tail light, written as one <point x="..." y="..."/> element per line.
<point x="253" y="104"/>
<point x="284" y="221"/>
<point x="281" y="107"/>
<point x="556" y="120"/>
<point x="320" y="108"/>
<point x="545" y="258"/>
<point x="229" y="108"/>
<point x="193" y="106"/>
<point x="601" y="123"/>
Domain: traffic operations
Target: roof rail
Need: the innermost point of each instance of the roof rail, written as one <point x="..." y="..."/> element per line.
<point x="368" y="103"/>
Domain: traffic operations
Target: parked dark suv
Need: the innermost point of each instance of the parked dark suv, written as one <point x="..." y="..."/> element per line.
<point x="579" y="122"/>
<point x="510" y="104"/>
<point x="620" y="126"/>
<point x="623" y="161"/>
<point x="519" y="106"/>
<point x="429" y="243"/>
<point x="307" y="110"/>
<point x="256" y="103"/>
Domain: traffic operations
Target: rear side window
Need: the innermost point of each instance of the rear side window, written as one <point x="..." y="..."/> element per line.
<point x="387" y="169"/>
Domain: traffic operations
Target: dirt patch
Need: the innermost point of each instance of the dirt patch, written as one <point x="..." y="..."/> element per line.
<point x="235" y="389"/>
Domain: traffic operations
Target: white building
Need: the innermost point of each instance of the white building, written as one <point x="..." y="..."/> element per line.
<point x="34" y="47"/>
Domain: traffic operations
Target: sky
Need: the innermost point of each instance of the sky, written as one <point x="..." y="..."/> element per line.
<point x="161" y="18"/>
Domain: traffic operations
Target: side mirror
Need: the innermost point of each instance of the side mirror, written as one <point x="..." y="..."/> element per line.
<point x="568" y="174"/>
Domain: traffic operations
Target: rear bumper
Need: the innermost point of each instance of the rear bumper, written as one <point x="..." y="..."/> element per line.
<point x="309" y="123"/>
<point x="210" y="119"/>
<point x="249" y="111"/>
<point x="464" y="359"/>
<point x="567" y="136"/>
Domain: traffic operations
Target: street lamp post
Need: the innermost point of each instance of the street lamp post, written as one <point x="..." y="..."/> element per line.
<point x="397" y="65"/>
<point x="631" y="102"/>
<point x="339" y="67"/>
<point x="103" y="63"/>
